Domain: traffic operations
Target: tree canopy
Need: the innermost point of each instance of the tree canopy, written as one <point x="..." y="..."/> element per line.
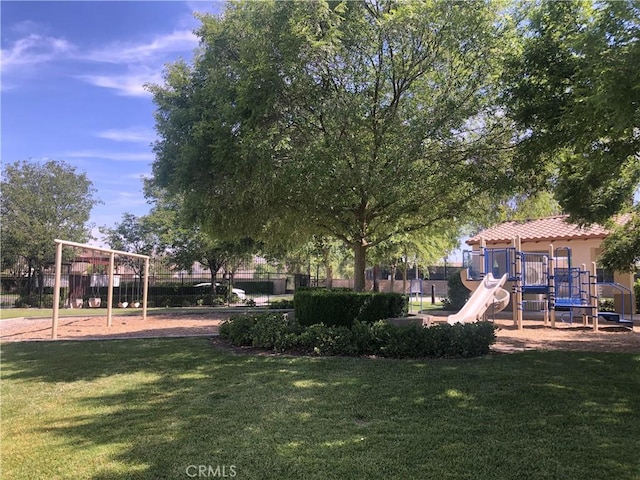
<point x="574" y="89"/>
<point x="357" y="120"/>
<point x="40" y="202"/>
<point x="132" y="234"/>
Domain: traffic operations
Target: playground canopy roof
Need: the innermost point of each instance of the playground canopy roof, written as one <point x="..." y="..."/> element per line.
<point x="546" y="229"/>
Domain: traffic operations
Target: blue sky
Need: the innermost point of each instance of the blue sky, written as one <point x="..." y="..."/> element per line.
<point x="72" y="87"/>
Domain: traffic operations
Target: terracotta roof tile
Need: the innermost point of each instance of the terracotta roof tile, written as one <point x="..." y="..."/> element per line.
<point x="541" y="229"/>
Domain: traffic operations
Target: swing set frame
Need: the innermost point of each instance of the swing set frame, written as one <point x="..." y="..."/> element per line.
<point x="112" y="254"/>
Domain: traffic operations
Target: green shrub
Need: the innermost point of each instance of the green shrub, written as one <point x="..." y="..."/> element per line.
<point x="278" y="332"/>
<point x="255" y="287"/>
<point x="210" y="300"/>
<point x="271" y="331"/>
<point x="379" y="306"/>
<point x="264" y="330"/>
<point x="636" y="290"/>
<point x="457" y="293"/>
<point x="606" y="305"/>
<point x="281" y="305"/>
<point x="37" y="301"/>
<point x="343" y="308"/>
<point x="362" y="338"/>
<point x="321" y="339"/>
<point x="238" y="329"/>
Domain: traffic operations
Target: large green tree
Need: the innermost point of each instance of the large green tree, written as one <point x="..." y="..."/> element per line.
<point x="357" y="120"/>
<point x="574" y="88"/>
<point x="183" y="242"/>
<point x="133" y="234"/>
<point x="40" y="202"/>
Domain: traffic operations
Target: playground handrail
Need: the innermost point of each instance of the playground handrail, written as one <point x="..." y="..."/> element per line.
<point x="622" y="289"/>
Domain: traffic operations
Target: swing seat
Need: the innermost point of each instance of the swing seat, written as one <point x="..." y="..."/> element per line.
<point x="135" y="304"/>
<point x="94" y="302"/>
<point x="123" y="304"/>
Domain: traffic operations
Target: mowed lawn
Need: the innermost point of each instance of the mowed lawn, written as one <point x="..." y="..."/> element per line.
<point x="178" y="409"/>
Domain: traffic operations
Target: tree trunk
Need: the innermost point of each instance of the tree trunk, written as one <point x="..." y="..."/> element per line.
<point x="360" y="264"/>
<point x="393" y="277"/>
<point x="376" y="279"/>
<point x="328" y="271"/>
<point x="30" y="278"/>
<point x="213" y="281"/>
<point x="404" y="277"/>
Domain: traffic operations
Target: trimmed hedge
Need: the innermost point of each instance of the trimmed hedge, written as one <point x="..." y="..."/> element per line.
<point x="457" y="293"/>
<point x="254" y="287"/>
<point x="343" y="308"/>
<point x="265" y="330"/>
<point x="277" y="332"/>
<point x="281" y="305"/>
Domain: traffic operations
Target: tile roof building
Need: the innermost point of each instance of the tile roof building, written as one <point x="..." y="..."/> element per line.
<point x="537" y="235"/>
<point x="548" y="229"/>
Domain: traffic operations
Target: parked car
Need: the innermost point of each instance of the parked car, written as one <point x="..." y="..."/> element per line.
<point x="238" y="291"/>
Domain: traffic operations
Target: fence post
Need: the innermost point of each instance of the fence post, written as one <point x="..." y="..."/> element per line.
<point x="112" y="263"/>
<point x="56" y="291"/>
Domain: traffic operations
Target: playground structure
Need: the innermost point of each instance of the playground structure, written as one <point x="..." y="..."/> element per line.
<point x="95" y="273"/>
<point x="489" y="294"/>
<point x="543" y="282"/>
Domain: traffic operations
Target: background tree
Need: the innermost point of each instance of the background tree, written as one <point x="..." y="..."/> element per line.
<point x="39" y="203"/>
<point x="573" y="89"/>
<point x="184" y="243"/>
<point x="135" y="235"/>
<point x="518" y="207"/>
<point x="421" y="249"/>
<point x="132" y="234"/>
<point x="354" y="120"/>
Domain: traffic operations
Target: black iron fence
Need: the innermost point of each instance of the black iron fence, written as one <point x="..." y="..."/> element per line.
<point x="87" y="287"/>
<point x="165" y="289"/>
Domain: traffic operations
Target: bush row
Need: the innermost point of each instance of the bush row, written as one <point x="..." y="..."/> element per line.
<point x="189" y="300"/>
<point x="457" y="293"/>
<point x="281" y="305"/>
<point x="279" y="333"/>
<point x="255" y="287"/>
<point x="36" y="300"/>
<point x="46" y="300"/>
<point x="343" y="307"/>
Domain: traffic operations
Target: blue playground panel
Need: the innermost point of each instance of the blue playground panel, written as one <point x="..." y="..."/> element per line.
<point x="568" y="290"/>
<point x="535" y="273"/>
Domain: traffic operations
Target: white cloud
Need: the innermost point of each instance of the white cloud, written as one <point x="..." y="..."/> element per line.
<point x="26" y="27"/>
<point x="122" y="53"/>
<point x="34" y="50"/>
<point x="133" y="134"/>
<point x="115" y="156"/>
<point x="143" y="62"/>
<point x="129" y="84"/>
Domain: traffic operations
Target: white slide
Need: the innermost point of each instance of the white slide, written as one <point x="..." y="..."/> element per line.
<point x="489" y="293"/>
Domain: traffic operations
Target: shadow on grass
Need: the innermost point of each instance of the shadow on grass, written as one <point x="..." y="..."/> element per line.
<point x="167" y="408"/>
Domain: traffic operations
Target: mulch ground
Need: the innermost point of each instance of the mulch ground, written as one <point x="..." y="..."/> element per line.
<point x="534" y="335"/>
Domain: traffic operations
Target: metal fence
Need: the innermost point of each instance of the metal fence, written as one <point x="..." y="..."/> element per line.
<point x="83" y="286"/>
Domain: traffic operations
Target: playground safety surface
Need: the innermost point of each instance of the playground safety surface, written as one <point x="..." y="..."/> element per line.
<point x="534" y="335"/>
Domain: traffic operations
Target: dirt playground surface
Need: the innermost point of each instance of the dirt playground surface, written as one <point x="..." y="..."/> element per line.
<point x="534" y="336"/>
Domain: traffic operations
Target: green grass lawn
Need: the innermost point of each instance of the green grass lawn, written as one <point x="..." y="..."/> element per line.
<point x="161" y="409"/>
